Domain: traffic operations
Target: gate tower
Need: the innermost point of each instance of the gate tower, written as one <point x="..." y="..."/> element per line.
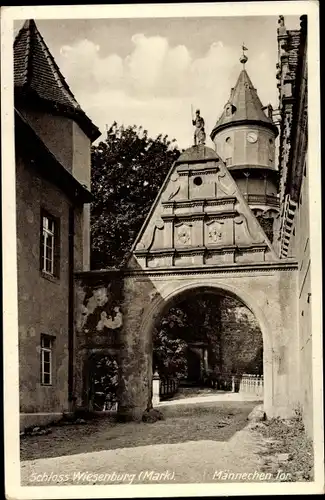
<point x="244" y="137"/>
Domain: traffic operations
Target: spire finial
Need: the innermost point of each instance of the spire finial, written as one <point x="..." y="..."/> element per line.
<point x="243" y="59"/>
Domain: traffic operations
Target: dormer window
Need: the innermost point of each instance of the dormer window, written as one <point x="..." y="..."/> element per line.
<point x="229" y="109"/>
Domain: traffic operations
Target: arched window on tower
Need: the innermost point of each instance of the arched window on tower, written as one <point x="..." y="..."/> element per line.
<point x="271" y="152"/>
<point x="228" y="151"/>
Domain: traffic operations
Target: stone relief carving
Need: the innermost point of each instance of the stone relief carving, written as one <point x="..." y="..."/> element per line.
<point x="215" y="231"/>
<point x="153" y="294"/>
<point x="226" y="185"/>
<point x="149" y="236"/>
<point x="109" y="322"/>
<point x="159" y="223"/>
<point x="215" y="235"/>
<point x="98" y="299"/>
<point x="184" y="234"/>
<point x="172" y="190"/>
<point x="256" y="237"/>
<point x="174" y="193"/>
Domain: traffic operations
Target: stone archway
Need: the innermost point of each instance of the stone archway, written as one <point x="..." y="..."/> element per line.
<point x="268" y="290"/>
<point x="197" y="234"/>
<point x="162" y="304"/>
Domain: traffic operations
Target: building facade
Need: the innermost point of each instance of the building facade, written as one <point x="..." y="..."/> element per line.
<point x="295" y="235"/>
<point x="233" y="220"/>
<point x="53" y="137"/>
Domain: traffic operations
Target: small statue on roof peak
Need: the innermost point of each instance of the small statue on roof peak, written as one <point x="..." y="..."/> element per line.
<point x="199" y="133"/>
<point x="282" y="30"/>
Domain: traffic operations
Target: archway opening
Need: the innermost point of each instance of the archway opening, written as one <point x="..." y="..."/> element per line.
<point x="103" y="381"/>
<point x="207" y="340"/>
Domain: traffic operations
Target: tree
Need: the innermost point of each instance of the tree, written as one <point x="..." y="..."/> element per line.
<point x="128" y="170"/>
<point x="104" y="380"/>
<point x="169" y="351"/>
<point x="197" y="319"/>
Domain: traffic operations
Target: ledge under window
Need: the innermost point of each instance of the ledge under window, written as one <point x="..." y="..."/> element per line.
<point x="49" y="277"/>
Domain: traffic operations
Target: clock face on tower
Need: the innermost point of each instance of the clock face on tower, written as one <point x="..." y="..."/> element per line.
<point x="252" y="137"/>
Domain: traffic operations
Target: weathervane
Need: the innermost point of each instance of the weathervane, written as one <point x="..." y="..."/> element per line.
<point x="243" y="59"/>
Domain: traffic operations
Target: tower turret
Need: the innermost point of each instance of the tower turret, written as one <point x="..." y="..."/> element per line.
<point x="244" y="137"/>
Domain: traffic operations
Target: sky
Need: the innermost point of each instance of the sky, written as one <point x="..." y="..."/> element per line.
<point x="151" y="71"/>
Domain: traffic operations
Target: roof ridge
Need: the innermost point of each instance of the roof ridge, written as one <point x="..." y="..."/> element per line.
<point x="24" y="29"/>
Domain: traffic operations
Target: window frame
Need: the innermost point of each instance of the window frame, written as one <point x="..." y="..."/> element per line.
<point x="46" y="349"/>
<point x="54" y="271"/>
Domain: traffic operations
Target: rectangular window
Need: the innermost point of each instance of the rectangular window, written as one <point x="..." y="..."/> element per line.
<point x="228" y="161"/>
<point x="46" y="359"/>
<point x="49" y="244"/>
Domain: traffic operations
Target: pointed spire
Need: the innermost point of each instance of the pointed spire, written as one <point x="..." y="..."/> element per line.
<point x="243" y="105"/>
<point x="36" y="74"/>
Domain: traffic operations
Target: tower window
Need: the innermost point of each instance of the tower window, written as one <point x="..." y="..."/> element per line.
<point x="270" y="141"/>
<point x="228" y="140"/>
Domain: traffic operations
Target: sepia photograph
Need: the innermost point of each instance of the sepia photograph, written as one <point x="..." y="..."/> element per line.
<point x="162" y="250"/>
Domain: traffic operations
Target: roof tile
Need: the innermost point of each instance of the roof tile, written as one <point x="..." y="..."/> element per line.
<point x="243" y="104"/>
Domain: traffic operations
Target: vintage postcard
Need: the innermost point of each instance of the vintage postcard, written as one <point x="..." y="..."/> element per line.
<point x="162" y="250"/>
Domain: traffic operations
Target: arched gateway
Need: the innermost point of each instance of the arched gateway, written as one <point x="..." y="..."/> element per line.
<point x="200" y="233"/>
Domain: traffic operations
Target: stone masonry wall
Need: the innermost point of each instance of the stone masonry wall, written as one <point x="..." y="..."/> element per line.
<point x="42" y="301"/>
<point x="242" y="341"/>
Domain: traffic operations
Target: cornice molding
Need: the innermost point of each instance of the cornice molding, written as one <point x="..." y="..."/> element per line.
<point x="201" y="250"/>
<point x="226" y="214"/>
<point x="284" y="265"/>
<point x="181" y="203"/>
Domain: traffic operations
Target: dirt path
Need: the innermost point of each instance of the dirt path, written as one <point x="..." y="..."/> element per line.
<point x="186" y="422"/>
<point x="195" y="443"/>
<point x="193" y="461"/>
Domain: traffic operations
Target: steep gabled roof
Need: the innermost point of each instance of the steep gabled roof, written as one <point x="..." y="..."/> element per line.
<point x="244" y="105"/>
<point x="37" y="76"/>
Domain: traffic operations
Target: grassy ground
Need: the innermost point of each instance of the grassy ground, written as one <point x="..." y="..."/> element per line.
<point x="288" y="449"/>
<point x="209" y="421"/>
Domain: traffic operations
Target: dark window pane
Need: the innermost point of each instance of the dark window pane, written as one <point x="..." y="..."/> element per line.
<point x="46" y="341"/>
<point x="49" y="253"/>
<point x="46" y="356"/>
<point x="51" y="225"/>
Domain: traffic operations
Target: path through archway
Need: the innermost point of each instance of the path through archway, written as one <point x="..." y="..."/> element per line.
<point x="207" y="341"/>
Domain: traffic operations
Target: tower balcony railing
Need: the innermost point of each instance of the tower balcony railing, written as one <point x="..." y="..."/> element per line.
<point x="262" y="199"/>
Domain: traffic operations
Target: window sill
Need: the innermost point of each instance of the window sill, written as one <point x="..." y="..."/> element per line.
<point x="49" y="277"/>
